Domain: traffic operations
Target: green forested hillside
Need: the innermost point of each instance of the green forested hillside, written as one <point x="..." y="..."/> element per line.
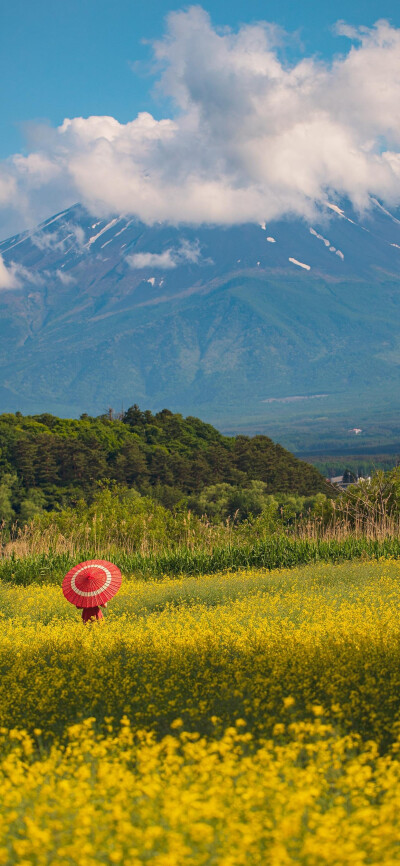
<point x="49" y="462"/>
<point x="359" y="464"/>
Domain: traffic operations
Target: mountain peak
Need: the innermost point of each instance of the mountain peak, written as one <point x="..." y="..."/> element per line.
<point x="211" y="320"/>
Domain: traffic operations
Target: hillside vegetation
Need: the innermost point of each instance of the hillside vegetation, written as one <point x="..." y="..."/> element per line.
<point x="51" y="463"/>
<point x="360" y="465"/>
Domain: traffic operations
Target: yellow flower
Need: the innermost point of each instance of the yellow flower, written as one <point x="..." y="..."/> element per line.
<point x="159" y="739"/>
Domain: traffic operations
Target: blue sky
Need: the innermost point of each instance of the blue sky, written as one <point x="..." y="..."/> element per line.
<point x="220" y="113"/>
<point x="74" y="58"/>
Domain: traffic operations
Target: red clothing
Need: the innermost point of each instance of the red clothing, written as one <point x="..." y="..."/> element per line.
<point x="91" y="613"/>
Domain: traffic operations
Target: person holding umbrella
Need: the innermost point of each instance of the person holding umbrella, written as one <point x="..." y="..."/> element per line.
<point x="92" y="613"/>
<point x="90" y="585"/>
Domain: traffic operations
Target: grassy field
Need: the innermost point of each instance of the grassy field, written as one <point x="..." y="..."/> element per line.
<point x="234" y="718"/>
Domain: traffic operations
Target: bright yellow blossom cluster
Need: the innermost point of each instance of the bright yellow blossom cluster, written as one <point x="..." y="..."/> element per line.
<point x="127" y="798"/>
<point x="231" y="719"/>
<point x="231" y="646"/>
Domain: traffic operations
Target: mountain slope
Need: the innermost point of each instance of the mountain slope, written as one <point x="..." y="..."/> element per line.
<point x="222" y="322"/>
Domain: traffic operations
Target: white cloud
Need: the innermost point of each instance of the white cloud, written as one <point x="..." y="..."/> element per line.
<point x="47" y="241"/>
<point x="65" y="279"/>
<point x="71" y="237"/>
<point x="251" y="138"/>
<point x="164" y="260"/>
<point x="14" y="275"/>
<point x="187" y="252"/>
<point x="7" y="188"/>
<point x="8" y="278"/>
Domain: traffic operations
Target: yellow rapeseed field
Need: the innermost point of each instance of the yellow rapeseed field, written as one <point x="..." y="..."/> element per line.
<point x="317" y="799"/>
<point x="247" y="718"/>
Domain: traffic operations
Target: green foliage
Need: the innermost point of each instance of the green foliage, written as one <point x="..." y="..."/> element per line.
<point x="31" y="506"/>
<point x="372" y="500"/>
<point x="362" y="466"/>
<point x="273" y="552"/>
<point x="7" y="512"/>
<point x="164" y="456"/>
<point x="118" y="516"/>
<point x="226" y="501"/>
<point x="229" y="502"/>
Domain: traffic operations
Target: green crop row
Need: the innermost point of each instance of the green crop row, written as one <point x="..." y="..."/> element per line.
<point x="271" y="553"/>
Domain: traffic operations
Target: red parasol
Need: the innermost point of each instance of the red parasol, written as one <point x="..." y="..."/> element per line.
<point x="91" y="583"/>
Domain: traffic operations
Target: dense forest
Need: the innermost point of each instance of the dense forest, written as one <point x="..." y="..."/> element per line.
<point x="49" y="463"/>
<point x="360" y="465"/>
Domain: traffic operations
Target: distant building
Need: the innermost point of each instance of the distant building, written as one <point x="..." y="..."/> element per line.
<point x="346" y="480"/>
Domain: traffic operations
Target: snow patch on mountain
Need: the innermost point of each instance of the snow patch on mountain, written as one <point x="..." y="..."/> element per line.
<point x="300" y="264"/>
<point x="320" y="237"/>
<point x="326" y="242"/>
<point x="54" y="219"/>
<point x="124" y="228"/>
<point x="102" y="231"/>
<point x="335" y="208"/>
<point x="387" y="212"/>
<point x="340" y="212"/>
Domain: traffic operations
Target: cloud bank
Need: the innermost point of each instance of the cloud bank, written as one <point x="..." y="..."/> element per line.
<point x="188" y="252"/>
<point x="251" y="137"/>
<point x="163" y="261"/>
<point x="14" y="275"/>
<point x="8" y="277"/>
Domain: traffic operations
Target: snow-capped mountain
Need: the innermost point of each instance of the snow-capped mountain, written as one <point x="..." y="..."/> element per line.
<point x="225" y="323"/>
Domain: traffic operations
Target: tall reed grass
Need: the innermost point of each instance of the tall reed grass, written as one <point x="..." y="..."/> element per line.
<point x="146" y="539"/>
<point x="278" y="551"/>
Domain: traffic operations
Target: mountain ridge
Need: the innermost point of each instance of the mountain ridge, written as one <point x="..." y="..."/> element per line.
<point x="214" y="321"/>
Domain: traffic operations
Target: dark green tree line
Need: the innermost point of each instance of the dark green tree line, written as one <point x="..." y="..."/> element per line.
<point x="49" y="462"/>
